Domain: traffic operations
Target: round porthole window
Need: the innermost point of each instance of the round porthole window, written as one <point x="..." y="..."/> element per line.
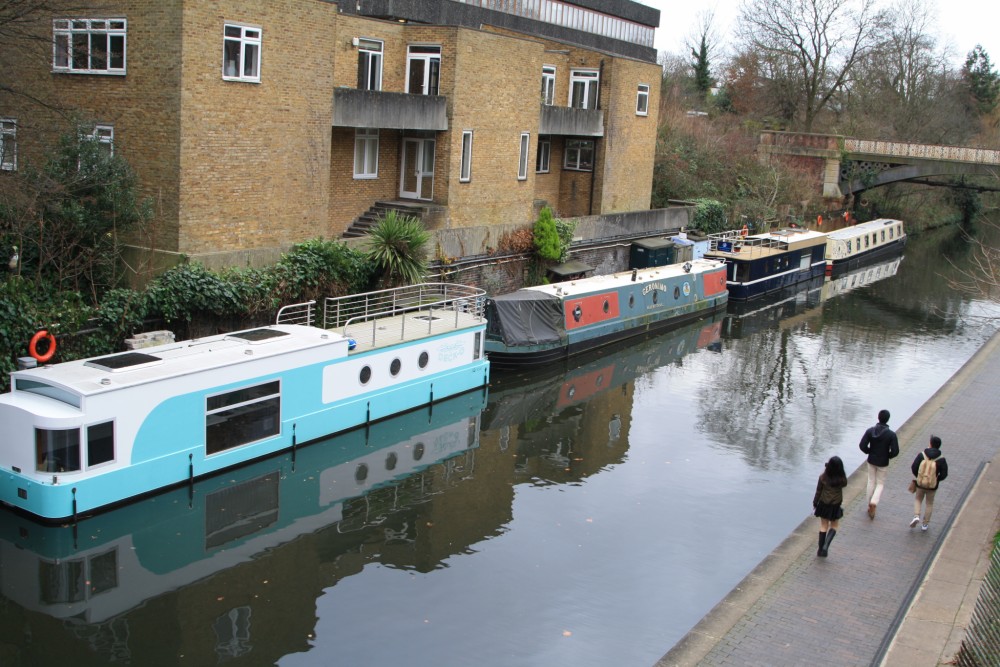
<point x="607" y="306"/>
<point x="423" y="359"/>
<point x="631" y="301"/>
<point x="418" y="451"/>
<point x="655" y="296"/>
<point x="365" y="375"/>
<point x="361" y="472"/>
<point x="391" y="460"/>
<point x="394" y="367"/>
<point x="677" y="292"/>
<point x="577" y="313"/>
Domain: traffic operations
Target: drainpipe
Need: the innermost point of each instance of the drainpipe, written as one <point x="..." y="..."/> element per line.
<point x="593" y="169"/>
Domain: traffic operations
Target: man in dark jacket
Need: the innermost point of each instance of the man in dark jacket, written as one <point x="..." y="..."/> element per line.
<point x="880" y="444"/>
<point x="927" y="494"/>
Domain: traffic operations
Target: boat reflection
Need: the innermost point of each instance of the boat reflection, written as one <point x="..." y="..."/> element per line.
<point x="113" y="562"/>
<point x="860" y="277"/>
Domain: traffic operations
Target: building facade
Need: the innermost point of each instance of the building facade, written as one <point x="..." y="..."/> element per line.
<point x="253" y="125"/>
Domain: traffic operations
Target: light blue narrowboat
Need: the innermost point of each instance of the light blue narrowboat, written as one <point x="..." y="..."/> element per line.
<point x="83" y="435"/>
<point x="536" y="326"/>
<point x="99" y="568"/>
<point x="758" y="264"/>
<point x="862" y="244"/>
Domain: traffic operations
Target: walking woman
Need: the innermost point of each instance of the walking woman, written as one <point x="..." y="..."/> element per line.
<point x="827" y="501"/>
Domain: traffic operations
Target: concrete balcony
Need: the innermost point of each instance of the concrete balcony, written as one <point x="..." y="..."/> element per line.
<point x="394" y="111"/>
<point x="571" y="122"/>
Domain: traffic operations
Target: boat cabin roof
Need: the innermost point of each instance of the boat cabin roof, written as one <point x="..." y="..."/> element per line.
<point x="603" y="283"/>
<point x="863" y="228"/>
<point x="733" y="245"/>
<point x="86" y="377"/>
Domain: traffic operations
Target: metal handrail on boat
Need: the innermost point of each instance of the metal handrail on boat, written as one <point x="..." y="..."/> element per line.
<point x="433" y="299"/>
<point x="296" y="313"/>
<point x="736" y="238"/>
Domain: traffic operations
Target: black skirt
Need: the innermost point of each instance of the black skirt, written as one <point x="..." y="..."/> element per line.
<point x="828" y="511"/>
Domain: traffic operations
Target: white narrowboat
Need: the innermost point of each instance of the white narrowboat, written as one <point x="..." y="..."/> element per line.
<point x="84" y="435"/>
<point x="856" y="246"/>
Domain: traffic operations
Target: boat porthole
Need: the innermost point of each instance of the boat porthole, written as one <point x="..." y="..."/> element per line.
<point x="390" y="461"/>
<point x="361" y="472"/>
<point x="631" y="301"/>
<point x="677" y="292"/>
<point x="394" y="367"/>
<point x="423" y="360"/>
<point x="655" y="296"/>
<point x="571" y="392"/>
<point x="365" y="375"/>
<point x="607" y="306"/>
<point x="577" y="313"/>
<point x="418" y="451"/>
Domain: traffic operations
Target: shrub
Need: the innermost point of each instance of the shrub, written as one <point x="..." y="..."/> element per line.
<point x="547" y="242"/>
<point x="395" y="250"/>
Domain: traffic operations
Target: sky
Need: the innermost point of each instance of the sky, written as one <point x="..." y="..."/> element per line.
<point x="962" y="23"/>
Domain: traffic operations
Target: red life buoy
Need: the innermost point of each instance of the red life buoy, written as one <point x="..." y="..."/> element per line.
<point x="819" y="220"/>
<point x="33" y="346"/>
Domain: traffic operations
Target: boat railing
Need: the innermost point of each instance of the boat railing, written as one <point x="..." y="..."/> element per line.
<point x="735" y="239"/>
<point x="437" y="304"/>
<point x="297" y="313"/>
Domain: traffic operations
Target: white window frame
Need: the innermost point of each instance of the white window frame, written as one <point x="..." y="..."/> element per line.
<point x="465" y="170"/>
<point x="543" y="160"/>
<point x="8" y="144"/>
<point x="642" y="100"/>
<point x="370" y="61"/>
<point x="366" y="149"/>
<point x="248" y="42"/>
<point x="430" y="54"/>
<point x="573" y="154"/>
<point x="104" y="135"/>
<point x="548" y="85"/>
<point x="588" y="81"/>
<point x="78" y="44"/>
<point x="522" y="160"/>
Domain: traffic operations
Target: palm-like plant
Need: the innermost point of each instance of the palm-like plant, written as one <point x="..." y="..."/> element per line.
<point x="396" y="249"/>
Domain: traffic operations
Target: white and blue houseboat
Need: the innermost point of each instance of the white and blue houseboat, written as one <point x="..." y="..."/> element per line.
<point x="539" y="325"/>
<point x="83" y="435"/>
<point x="758" y="264"/>
<point x="856" y="246"/>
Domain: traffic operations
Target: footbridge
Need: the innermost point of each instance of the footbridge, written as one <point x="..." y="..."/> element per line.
<point x="844" y="166"/>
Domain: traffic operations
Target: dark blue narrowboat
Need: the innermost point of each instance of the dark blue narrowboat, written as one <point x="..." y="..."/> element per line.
<point x="758" y="264"/>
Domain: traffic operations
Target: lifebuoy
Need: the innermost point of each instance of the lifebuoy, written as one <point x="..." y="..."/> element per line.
<point x="819" y="220"/>
<point x="33" y="346"/>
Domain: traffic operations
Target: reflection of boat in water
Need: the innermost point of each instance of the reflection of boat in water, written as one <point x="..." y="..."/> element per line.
<point x="547" y="323"/>
<point x="538" y="395"/>
<point x="860" y="277"/>
<point x="110" y="563"/>
<point x="82" y="435"/>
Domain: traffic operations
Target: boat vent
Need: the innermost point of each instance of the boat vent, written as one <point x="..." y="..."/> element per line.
<point x="121" y="362"/>
<point x="257" y="335"/>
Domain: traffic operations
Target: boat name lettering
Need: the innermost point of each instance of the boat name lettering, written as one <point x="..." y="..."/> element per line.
<point x="653" y="286"/>
<point x="451" y="352"/>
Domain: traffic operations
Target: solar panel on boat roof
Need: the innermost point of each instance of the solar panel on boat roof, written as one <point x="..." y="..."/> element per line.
<point x="255" y="335"/>
<point x="117" y="362"/>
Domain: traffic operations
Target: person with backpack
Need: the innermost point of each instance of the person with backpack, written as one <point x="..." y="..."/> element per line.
<point x="827" y="502"/>
<point x="880" y="444"/>
<point x="929" y="469"/>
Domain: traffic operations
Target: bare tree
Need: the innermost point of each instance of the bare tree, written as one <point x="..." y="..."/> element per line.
<point x="820" y="41"/>
<point x="26" y="36"/>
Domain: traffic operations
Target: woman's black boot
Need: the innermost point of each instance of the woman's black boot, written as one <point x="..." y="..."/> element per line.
<point x="822" y="545"/>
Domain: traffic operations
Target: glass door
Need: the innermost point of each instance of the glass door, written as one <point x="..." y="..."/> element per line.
<point x="417" y="178"/>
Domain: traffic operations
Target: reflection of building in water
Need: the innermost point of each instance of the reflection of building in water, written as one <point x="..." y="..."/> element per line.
<point x="250" y="550"/>
<point x="552" y="421"/>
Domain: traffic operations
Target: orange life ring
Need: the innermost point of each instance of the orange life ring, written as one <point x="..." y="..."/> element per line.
<point x="819" y="220"/>
<point x="33" y="346"/>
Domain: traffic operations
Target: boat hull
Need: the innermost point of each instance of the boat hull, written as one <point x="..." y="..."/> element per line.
<point x="839" y="267"/>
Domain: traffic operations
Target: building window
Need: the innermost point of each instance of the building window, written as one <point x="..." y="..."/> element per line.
<point x="8" y="144"/>
<point x="579" y="155"/>
<point x="423" y="69"/>
<point x="366" y="153"/>
<point x="466" y="169"/>
<point x="583" y="85"/>
<point x="104" y="135"/>
<point x="241" y="53"/>
<point x="548" y="85"/>
<point x="522" y="161"/>
<point x="544" y="155"/>
<point x="369" y="64"/>
<point x="88" y="46"/>
<point x="642" y="100"/>
<point x="242" y="416"/>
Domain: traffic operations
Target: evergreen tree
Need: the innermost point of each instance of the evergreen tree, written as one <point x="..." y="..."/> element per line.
<point x="982" y="80"/>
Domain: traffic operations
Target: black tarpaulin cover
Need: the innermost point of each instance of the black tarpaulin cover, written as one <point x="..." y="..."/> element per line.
<point x="526" y="317"/>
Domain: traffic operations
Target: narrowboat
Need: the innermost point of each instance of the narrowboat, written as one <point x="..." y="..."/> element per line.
<point x="852" y="247"/>
<point x="758" y="264"/>
<point x="350" y="485"/>
<point x="83" y="435"/>
<point x="540" y="325"/>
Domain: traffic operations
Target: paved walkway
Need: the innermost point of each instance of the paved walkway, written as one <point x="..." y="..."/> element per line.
<point x="887" y="594"/>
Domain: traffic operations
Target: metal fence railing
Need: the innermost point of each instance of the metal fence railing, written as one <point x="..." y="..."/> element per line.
<point x="981" y="646"/>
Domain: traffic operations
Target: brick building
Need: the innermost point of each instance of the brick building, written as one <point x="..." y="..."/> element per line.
<point x="261" y="123"/>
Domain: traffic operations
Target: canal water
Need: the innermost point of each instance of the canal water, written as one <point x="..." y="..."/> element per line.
<point x="588" y="515"/>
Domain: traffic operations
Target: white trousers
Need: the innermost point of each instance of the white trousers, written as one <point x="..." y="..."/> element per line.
<point x="876" y="480"/>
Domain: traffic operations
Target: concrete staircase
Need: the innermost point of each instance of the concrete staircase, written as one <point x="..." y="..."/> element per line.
<point x="370" y="218"/>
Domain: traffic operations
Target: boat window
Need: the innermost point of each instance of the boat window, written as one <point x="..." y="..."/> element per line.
<point x="655" y="296"/>
<point x="242" y="416"/>
<point x="36" y="387"/>
<point x="866" y="240"/>
<point x="891" y="230"/>
<point x="883" y="236"/>
<point x="100" y="443"/>
<point x="258" y="335"/>
<point x="742" y="272"/>
<point x="365" y="375"/>
<point x="607" y="307"/>
<point x="394" y="367"/>
<point x="477" y="345"/>
<point x="123" y="361"/>
<point x="848" y="246"/>
<point x="423" y="359"/>
<point x="361" y="472"/>
<point x="631" y="301"/>
<point x="677" y="292"/>
<point x="57" y="450"/>
<point x="391" y="460"/>
<point x="418" y="451"/>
